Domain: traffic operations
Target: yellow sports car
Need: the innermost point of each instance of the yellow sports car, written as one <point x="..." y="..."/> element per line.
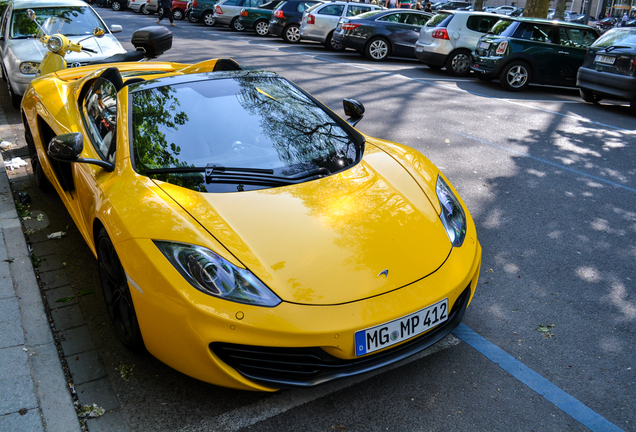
<point x="246" y="234"/>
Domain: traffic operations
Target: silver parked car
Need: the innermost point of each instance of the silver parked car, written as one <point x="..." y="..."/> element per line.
<point x="320" y="20"/>
<point x="448" y="38"/>
<point x="22" y="52"/>
<point x="227" y="12"/>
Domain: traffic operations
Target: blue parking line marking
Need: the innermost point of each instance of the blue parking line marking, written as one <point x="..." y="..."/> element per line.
<point x="547" y="162"/>
<point x="566" y="403"/>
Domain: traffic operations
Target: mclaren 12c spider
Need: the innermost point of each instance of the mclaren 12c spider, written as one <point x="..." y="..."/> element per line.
<point x="246" y="235"/>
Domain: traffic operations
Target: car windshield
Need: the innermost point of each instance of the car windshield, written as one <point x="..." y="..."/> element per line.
<point x="67" y="20"/>
<point x="500" y="27"/>
<point x="258" y="122"/>
<point x="439" y="20"/>
<point x="616" y="37"/>
<point x="369" y="14"/>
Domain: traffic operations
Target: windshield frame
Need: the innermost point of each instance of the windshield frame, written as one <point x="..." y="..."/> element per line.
<point x="85" y="11"/>
<point x="356" y="137"/>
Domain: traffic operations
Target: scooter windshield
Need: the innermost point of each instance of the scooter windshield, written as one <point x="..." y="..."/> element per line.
<point x="66" y="20"/>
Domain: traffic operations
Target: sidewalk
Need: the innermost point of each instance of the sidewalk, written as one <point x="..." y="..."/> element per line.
<point x="34" y="392"/>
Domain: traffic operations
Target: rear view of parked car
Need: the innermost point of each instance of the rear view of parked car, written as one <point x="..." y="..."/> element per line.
<point x="202" y="10"/>
<point x="520" y="51"/>
<point x="227" y="12"/>
<point x="448" y="38"/>
<point x="609" y="69"/>
<point x="286" y="19"/>
<point x="320" y="21"/>
<point x="258" y="18"/>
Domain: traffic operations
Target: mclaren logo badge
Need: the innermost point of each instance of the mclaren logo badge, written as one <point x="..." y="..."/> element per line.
<point x="383" y="272"/>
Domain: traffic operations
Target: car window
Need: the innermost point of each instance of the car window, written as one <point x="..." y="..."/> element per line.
<point x="304" y="5"/>
<point x="314" y="7"/>
<point x="6" y="13"/>
<point x="354" y="10"/>
<point x="280" y="6"/>
<point x="231" y="3"/>
<point x="100" y="117"/>
<point x="440" y="20"/>
<point x="264" y="122"/>
<point x="68" y="20"/>
<point x="575" y="37"/>
<point x="538" y="32"/>
<point x="480" y="23"/>
<point x="394" y="17"/>
<point x="332" y="9"/>
<point x="415" y="19"/>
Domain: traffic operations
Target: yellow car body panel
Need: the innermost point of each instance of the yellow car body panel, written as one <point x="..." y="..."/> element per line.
<point x="356" y="221"/>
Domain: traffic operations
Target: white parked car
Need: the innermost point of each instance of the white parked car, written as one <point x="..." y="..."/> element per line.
<point x="504" y="10"/>
<point x="22" y="52"/>
<point x="448" y="38"/>
<point x="147" y="7"/>
<point x="320" y="20"/>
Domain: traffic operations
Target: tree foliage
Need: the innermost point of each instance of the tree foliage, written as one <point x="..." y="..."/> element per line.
<point x="536" y="8"/>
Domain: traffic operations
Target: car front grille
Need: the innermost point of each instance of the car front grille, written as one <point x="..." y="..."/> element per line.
<point x="305" y="367"/>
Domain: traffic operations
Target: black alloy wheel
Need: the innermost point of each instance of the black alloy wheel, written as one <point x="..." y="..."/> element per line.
<point x="458" y="63"/>
<point x="291" y="34"/>
<point x="515" y="76"/>
<point x="117" y="294"/>
<point x="38" y="174"/>
<point x="261" y="27"/>
<point x="236" y="25"/>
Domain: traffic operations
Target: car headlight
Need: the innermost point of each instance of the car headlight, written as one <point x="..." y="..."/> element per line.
<point x="54" y="44"/>
<point x="452" y="216"/>
<point x="29" y="68"/>
<point x="214" y="275"/>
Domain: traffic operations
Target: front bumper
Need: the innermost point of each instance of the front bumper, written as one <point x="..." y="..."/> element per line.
<point x="184" y="328"/>
<point x="610" y="84"/>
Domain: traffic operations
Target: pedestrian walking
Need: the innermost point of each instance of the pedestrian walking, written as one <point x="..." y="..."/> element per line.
<point x="404" y="4"/>
<point x="624" y="19"/>
<point x="166" y="6"/>
<point x="428" y="8"/>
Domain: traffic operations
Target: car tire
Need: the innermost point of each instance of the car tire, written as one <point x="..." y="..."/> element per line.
<point x="144" y="10"/>
<point x="291" y="33"/>
<point x="590" y="96"/>
<point x="458" y="63"/>
<point x="236" y="25"/>
<point x="38" y="174"/>
<point x="15" y="99"/>
<point x="208" y="19"/>
<point x="515" y="76"/>
<point x="177" y="14"/>
<point x="261" y="27"/>
<point x="117" y="294"/>
<point x="378" y="49"/>
<point x="116" y="5"/>
<point x="332" y="45"/>
<point x="192" y="19"/>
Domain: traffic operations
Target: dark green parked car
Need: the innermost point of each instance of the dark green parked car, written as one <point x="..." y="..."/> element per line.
<point x="258" y="18"/>
<point x="531" y="50"/>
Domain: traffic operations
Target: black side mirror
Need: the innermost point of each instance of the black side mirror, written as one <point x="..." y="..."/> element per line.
<point x="68" y="148"/>
<point x="354" y="110"/>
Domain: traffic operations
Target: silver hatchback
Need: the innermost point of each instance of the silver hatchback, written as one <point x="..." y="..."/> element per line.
<point x="22" y="51"/>
<point x="320" y="20"/>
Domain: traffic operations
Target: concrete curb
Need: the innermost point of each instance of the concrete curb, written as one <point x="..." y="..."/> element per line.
<point x="49" y="382"/>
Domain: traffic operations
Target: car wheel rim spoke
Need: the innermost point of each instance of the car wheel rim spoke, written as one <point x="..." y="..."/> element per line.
<point x="262" y="28"/>
<point x="293" y="34"/>
<point x="517" y="76"/>
<point x="378" y="50"/>
<point x="460" y="63"/>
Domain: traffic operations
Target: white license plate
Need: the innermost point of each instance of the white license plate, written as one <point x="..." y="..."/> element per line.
<point x="605" y="59"/>
<point x="391" y="333"/>
<point x="484" y="45"/>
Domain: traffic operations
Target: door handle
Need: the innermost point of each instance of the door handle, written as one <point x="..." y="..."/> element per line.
<point x="563" y="52"/>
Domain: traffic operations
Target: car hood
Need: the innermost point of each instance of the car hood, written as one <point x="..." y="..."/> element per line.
<point x="33" y="50"/>
<point x="327" y="241"/>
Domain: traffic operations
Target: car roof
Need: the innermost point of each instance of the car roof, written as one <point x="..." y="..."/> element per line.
<point x="23" y="4"/>
<point x="548" y="21"/>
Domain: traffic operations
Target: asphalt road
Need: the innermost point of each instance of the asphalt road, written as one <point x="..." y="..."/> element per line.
<point x="551" y="184"/>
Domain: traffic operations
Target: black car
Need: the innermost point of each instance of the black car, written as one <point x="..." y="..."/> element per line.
<point x="609" y="68"/>
<point x="451" y="5"/>
<point x="381" y="34"/>
<point x="519" y="51"/>
<point x="286" y="19"/>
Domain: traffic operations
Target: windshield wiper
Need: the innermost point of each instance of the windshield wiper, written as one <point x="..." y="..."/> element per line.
<point x="613" y="47"/>
<point x="215" y="173"/>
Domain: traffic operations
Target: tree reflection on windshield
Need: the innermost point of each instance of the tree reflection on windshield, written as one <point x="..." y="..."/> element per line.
<point x="253" y="120"/>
